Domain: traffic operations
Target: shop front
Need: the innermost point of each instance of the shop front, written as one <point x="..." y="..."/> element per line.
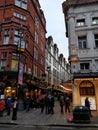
<point x="9" y="91"/>
<point x="85" y="87"/>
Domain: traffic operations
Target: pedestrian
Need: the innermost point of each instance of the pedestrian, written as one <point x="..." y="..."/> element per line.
<point x="52" y="104"/>
<point x="47" y="104"/>
<point x="67" y="104"/>
<point x="42" y="104"/>
<point x="15" y="107"/>
<point x="2" y="107"/>
<point x="61" y="101"/>
<point x="8" y="105"/>
<point x="27" y="102"/>
<point x="87" y="104"/>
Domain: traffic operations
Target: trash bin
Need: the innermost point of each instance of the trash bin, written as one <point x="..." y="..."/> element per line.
<point x="81" y="114"/>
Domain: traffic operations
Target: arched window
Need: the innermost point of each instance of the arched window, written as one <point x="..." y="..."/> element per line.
<point x="86" y="88"/>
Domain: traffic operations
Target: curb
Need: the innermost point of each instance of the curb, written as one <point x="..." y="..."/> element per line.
<point x="58" y="125"/>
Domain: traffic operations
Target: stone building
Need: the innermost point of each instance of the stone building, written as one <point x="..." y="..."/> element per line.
<point x="81" y="20"/>
<point x="56" y="65"/>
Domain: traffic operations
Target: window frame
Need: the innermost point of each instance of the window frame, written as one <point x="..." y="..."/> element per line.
<point x="80" y="22"/>
<point x="82" y="42"/>
<point x="85" y="66"/>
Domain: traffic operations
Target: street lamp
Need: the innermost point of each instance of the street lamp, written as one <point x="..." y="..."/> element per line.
<point x="20" y="70"/>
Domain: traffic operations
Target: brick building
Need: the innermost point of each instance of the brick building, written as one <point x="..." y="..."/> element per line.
<point x="22" y="40"/>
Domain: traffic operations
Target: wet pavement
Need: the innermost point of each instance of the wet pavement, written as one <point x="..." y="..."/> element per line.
<point x="35" y="117"/>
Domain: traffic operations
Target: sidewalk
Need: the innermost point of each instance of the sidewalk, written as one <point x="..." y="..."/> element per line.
<point x="34" y="117"/>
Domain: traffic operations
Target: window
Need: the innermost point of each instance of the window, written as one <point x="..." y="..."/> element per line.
<point x="96" y="40"/>
<point x="35" y="53"/>
<point x="17" y="38"/>
<point x="80" y="22"/>
<point x="3" y="61"/>
<point x="18" y="15"/>
<point x="18" y="2"/>
<point x="36" y="37"/>
<point x="95" y="20"/>
<point x="54" y="62"/>
<point x="84" y="66"/>
<point x="54" y="72"/>
<point x="24" y="4"/>
<point x="6" y="36"/>
<point x="82" y="42"/>
<point x="36" y="22"/>
<point x="35" y="71"/>
<point x="21" y="3"/>
<point x="49" y="57"/>
<point x="14" y="65"/>
<point x="42" y="60"/>
<point x="4" y="55"/>
<point x="6" y="40"/>
<point x="3" y="64"/>
<point x="86" y="88"/>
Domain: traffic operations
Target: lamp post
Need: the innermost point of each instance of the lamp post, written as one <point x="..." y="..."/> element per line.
<point x="20" y="71"/>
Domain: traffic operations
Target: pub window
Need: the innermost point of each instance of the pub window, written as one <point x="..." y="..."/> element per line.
<point x="87" y="88"/>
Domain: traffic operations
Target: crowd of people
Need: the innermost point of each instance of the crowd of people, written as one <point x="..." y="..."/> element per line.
<point x="45" y="102"/>
<point x="8" y="104"/>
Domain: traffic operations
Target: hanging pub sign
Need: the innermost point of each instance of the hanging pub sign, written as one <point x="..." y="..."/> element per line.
<point x="20" y="75"/>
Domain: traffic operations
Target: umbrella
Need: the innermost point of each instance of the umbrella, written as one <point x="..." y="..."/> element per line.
<point x="42" y="96"/>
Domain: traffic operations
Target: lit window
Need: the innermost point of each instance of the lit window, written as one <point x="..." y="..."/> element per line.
<point x="95" y="20"/>
<point x="80" y="22"/>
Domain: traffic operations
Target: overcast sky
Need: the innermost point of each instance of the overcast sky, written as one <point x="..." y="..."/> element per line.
<point x="55" y="24"/>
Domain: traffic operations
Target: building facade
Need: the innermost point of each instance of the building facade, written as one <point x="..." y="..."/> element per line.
<point x="22" y="41"/>
<point x="81" y="20"/>
<point x="55" y="67"/>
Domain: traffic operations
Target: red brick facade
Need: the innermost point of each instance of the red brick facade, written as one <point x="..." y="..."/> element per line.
<point x="28" y="14"/>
